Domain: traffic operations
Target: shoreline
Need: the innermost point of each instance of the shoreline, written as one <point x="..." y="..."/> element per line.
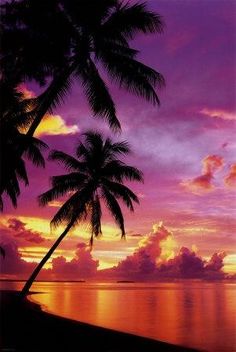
<point x="26" y="327"/>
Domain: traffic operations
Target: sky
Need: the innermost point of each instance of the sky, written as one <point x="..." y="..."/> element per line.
<point x="185" y="224"/>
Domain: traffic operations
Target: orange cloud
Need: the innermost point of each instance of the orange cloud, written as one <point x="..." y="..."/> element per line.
<point x="221" y="114"/>
<point x="230" y="179"/>
<point x="203" y="183"/>
<point x="212" y="163"/>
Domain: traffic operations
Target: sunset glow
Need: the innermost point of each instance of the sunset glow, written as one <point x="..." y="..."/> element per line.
<point x="185" y="148"/>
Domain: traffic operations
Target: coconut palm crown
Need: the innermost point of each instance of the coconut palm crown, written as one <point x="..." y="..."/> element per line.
<point x="97" y="173"/>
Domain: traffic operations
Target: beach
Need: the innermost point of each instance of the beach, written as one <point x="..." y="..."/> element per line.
<point x="26" y="327"/>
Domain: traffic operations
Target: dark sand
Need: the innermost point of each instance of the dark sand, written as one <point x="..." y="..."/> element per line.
<point x="25" y="327"/>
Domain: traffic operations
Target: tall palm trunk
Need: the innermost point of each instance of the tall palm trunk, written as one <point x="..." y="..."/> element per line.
<point x="36" y="271"/>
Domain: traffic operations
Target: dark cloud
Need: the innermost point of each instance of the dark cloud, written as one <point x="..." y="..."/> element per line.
<point x="185" y="265"/>
<point x="13" y="264"/>
<point x="82" y="266"/>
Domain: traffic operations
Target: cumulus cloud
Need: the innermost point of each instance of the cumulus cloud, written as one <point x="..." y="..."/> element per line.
<point x="230" y="179"/>
<point x="220" y="114"/>
<point x="186" y="264"/>
<point x="82" y="266"/>
<point x="13" y="265"/>
<point x="21" y="232"/>
<point x="203" y="183"/>
<point x="147" y="263"/>
<point x="142" y="262"/>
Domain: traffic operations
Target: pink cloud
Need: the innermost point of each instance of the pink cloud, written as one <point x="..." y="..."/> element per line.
<point x="19" y="230"/>
<point x="220" y="114"/>
<point x="212" y="163"/>
<point x="230" y="179"/>
<point x="203" y="183"/>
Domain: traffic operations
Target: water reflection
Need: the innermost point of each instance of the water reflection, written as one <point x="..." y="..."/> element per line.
<point x="194" y="314"/>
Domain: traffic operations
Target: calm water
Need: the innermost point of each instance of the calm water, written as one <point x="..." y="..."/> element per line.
<point x="195" y="314"/>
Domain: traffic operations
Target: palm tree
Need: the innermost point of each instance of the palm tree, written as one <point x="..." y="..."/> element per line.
<point x="96" y="174"/>
<point x="62" y="41"/>
<point x="15" y="145"/>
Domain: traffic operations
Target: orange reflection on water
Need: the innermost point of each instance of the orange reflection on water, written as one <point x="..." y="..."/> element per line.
<point x="195" y="314"/>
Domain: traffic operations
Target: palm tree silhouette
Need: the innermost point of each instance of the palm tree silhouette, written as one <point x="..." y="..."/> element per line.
<point x="63" y="41"/>
<point x="15" y="146"/>
<point x="96" y="174"/>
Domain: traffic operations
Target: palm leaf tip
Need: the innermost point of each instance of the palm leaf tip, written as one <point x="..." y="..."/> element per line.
<point x="1" y="204"/>
<point x="2" y="252"/>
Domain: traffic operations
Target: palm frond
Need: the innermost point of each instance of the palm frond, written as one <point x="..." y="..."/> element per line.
<point x="98" y="94"/>
<point x="21" y="171"/>
<point x="82" y="151"/>
<point x="12" y="189"/>
<point x="2" y="252"/>
<point x="130" y="19"/>
<point x="121" y="191"/>
<point x="133" y="75"/>
<point x="75" y="207"/>
<point x="32" y="150"/>
<point x="55" y="193"/>
<point x="114" y="209"/>
<point x="117" y="170"/>
<point x="1" y="204"/>
<point x="53" y="96"/>
<point x="111" y="150"/>
<point x="68" y="161"/>
<point x="109" y="45"/>
<point x="73" y="179"/>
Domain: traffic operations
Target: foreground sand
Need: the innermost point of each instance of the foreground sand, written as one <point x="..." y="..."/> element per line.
<point x="25" y="327"/>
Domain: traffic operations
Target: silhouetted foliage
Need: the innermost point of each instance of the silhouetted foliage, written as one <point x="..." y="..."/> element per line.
<point x="15" y="146"/>
<point x="61" y="41"/>
<point x="95" y="174"/>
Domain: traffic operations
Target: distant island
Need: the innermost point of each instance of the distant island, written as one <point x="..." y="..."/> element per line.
<point x="125" y="282"/>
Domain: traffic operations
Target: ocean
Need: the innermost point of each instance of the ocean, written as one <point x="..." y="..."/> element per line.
<point x="190" y="313"/>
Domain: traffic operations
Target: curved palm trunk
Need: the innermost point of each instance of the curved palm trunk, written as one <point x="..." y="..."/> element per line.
<point x="49" y="97"/>
<point x="36" y="271"/>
